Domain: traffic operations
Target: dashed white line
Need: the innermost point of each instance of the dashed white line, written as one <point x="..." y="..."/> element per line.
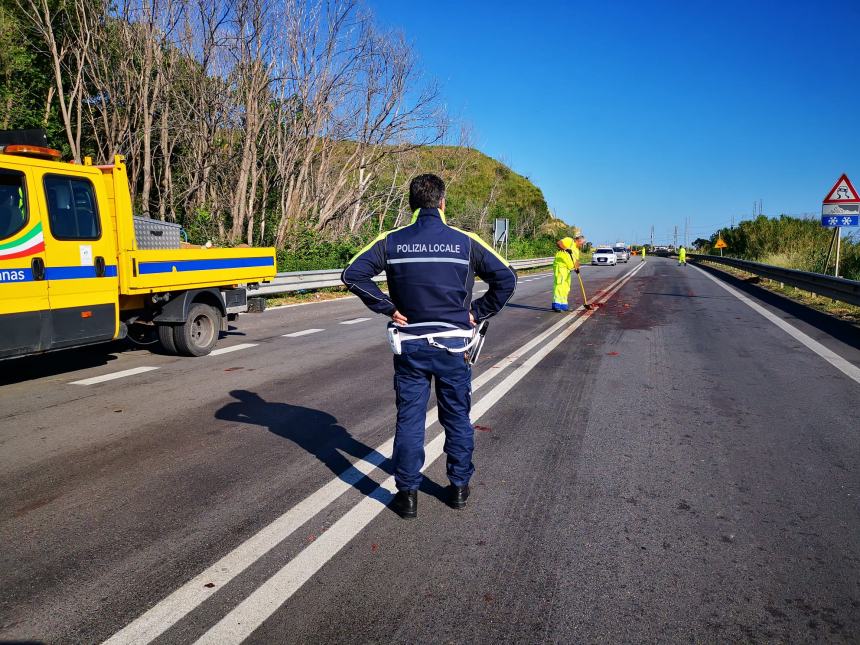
<point x="354" y="321"/>
<point x="304" y="332"/>
<point x="114" y="375"/>
<point x="233" y="348"/>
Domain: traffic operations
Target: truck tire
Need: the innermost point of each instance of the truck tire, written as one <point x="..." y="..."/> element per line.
<point x="199" y="333"/>
<point x="168" y="339"/>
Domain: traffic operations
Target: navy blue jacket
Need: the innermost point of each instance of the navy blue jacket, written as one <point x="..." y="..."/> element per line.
<point x="431" y="269"/>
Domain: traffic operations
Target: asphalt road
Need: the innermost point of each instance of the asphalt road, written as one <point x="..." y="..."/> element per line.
<point x="674" y="467"/>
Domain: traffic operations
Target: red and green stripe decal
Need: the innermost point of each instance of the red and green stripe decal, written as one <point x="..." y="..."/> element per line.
<point x="31" y="243"/>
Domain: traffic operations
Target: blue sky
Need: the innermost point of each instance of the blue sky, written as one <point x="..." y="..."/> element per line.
<point x="632" y="114"/>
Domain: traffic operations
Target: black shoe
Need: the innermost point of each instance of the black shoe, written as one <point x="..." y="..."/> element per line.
<point x="405" y="504"/>
<point x="457" y="496"/>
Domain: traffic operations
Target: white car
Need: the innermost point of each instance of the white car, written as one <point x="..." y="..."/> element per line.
<point x="604" y="255"/>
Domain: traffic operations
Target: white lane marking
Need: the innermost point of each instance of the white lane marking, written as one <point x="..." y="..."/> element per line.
<point x="193" y="593"/>
<point x="354" y="321"/>
<point x="304" y="332"/>
<point x="114" y="375"/>
<point x="234" y="348"/>
<point x="169" y="611"/>
<point x="849" y="369"/>
<point x="252" y="612"/>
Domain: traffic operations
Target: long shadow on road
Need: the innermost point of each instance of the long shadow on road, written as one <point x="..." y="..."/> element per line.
<point x="320" y="434"/>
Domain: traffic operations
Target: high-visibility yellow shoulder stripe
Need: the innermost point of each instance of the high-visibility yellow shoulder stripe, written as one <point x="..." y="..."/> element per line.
<point x="478" y="239"/>
<point x="378" y="238"/>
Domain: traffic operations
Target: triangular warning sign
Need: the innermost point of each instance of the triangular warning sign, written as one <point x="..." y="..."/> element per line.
<point x="721" y="244"/>
<point x="843" y="191"/>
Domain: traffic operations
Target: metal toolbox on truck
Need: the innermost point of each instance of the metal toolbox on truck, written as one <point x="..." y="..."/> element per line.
<point x="155" y="235"/>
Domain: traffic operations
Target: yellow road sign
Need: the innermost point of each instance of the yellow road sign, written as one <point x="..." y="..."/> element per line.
<point x="721" y="244"/>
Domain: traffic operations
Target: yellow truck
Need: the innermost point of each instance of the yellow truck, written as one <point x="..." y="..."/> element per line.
<point x="77" y="268"/>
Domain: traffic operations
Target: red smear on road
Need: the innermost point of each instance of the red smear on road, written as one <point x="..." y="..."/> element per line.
<point x="311" y="538"/>
<point x="488" y="598"/>
<point x="482" y="428"/>
<point x="233" y="369"/>
<point x="374" y="547"/>
<point x="612" y="353"/>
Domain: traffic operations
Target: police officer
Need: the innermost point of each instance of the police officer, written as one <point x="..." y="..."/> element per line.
<point x="430" y="268"/>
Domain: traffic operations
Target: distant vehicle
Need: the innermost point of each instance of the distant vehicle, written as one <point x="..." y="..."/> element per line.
<point x="604" y="255"/>
<point x="621" y="253"/>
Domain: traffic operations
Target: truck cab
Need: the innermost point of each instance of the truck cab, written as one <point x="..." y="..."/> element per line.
<point x="72" y="271"/>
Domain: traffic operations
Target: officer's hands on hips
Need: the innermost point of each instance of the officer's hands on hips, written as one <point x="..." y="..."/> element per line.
<point x="398" y="318"/>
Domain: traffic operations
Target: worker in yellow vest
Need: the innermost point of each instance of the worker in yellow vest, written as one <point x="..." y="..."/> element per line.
<point x="566" y="260"/>
<point x="643" y="252"/>
<point x="682" y="257"/>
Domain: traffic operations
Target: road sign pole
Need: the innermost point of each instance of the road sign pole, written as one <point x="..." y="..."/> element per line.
<point x="830" y="251"/>
<point x="838" y="247"/>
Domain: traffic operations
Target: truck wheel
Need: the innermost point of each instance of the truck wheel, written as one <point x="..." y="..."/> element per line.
<point x="167" y="338"/>
<point x="199" y="333"/>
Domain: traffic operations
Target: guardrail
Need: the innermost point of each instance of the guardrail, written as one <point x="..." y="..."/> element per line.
<point x="307" y="280"/>
<point x="824" y="285"/>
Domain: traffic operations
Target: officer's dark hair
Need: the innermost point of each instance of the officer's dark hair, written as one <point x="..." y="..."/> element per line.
<point x="426" y="191"/>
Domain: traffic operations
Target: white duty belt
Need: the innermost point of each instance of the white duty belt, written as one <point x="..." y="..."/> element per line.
<point x="476" y="339"/>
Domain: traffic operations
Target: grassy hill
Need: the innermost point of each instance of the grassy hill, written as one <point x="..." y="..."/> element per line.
<point x="480" y="189"/>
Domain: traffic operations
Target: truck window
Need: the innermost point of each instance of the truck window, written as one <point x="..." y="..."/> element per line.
<point x="13" y="203"/>
<point x="72" y="211"/>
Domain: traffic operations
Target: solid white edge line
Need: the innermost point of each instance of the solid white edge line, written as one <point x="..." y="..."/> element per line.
<point x="252" y="612"/>
<point x="847" y="368"/>
<point x="304" y="332"/>
<point x="233" y="348"/>
<point x="112" y="376"/>
<point x="171" y="609"/>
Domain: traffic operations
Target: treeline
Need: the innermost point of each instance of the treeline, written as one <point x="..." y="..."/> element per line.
<point x="793" y="242"/>
<point x="284" y="122"/>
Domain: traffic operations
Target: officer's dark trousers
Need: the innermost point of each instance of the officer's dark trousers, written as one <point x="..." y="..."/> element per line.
<point x="413" y="370"/>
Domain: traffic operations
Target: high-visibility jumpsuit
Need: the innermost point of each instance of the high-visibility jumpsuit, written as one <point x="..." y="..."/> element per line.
<point x="563" y="264"/>
<point x="643" y="252"/>
<point x="682" y="256"/>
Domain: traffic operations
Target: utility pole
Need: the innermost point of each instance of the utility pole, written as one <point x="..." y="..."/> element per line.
<point x="686" y="225"/>
<point x="652" y="236"/>
<point x="675" y="238"/>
